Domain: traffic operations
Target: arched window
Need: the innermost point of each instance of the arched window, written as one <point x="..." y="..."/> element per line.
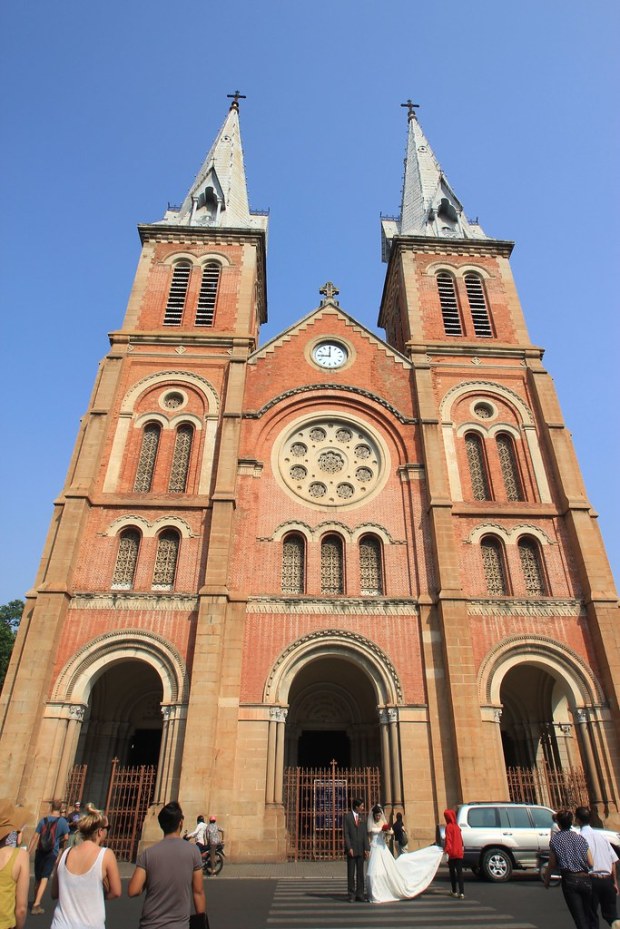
<point x="493" y="564"/>
<point x="449" y="304"/>
<point x="180" y="459"/>
<point x="126" y="559"/>
<point x="508" y="463"/>
<point x="146" y="461"/>
<point x="177" y="294"/>
<point x="293" y="564"/>
<point x="371" y="568"/>
<point x="531" y="564"/>
<point x="478" y="305"/>
<point x="477" y="467"/>
<point x="332" y="565"/>
<point x="166" y="560"/>
<point x="207" y="298"/>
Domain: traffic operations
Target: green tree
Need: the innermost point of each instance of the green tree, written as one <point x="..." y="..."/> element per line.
<point x="10" y="615"/>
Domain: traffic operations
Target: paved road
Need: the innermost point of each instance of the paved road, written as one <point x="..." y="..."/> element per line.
<point x="319" y="902"/>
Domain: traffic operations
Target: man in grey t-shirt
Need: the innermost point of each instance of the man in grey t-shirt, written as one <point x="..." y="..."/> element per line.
<point x="171" y="873"/>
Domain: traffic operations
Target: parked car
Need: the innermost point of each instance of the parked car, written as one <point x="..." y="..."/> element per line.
<point x="502" y="837"/>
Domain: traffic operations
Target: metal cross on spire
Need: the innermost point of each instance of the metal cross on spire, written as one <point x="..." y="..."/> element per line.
<point x="411" y="107"/>
<point x="236" y="97"/>
<point x="329" y="292"/>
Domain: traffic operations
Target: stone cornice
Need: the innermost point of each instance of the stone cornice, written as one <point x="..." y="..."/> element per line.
<point x="512" y="607"/>
<point x="337" y="388"/>
<point x="445" y="246"/>
<point x="342" y="606"/>
<point x="224" y="341"/>
<point x="121" y="600"/>
<point x="163" y="232"/>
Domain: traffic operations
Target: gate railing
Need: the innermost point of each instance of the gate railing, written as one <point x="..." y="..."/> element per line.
<point x="550" y="786"/>
<point x="75" y="785"/>
<point x="315" y="801"/>
<point x="130" y="794"/>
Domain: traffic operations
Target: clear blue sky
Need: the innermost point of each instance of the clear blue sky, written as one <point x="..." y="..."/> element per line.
<point x="109" y="109"/>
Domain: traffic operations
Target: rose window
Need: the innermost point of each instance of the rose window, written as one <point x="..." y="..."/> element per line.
<point x="331" y="462"/>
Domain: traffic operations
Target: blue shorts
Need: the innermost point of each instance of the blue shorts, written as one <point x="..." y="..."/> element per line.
<point x="44" y="864"/>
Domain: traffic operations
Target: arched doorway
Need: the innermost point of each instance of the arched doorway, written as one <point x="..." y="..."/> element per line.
<point x="123" y="720"/>
<point x="332" y="716"/>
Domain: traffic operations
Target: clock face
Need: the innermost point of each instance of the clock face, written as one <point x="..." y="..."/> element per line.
<point x="329" y="354"/>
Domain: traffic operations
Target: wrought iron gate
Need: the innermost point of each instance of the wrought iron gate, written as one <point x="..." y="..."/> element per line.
<point x="130" y="794"/>
<point x="315" y="801"/>
<point x="75" y="785"/>
<point x="550" y="786"/>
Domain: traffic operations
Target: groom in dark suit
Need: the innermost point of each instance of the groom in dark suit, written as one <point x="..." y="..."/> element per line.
<point x="357" y="848"/>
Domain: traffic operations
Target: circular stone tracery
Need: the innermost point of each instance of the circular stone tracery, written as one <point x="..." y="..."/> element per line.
<point x="331" y="462"/>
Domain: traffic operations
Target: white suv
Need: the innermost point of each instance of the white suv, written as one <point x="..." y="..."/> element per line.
<point x="501" y="837"/>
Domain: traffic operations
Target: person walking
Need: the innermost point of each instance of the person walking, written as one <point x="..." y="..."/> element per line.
<point x="85" y="874"/>
<point x="171" y="874"/>
<point x="213" y="840"/>
<point x="357" y="849"/>
<point x="14" y="868"/>
<point x="400" y="836"/>
<point x="73" y="818"/>
<point x="569" y="851"/>
<point x="48" y="838"/>
<point x="453" y="848"/>
<point x="604" y="872"/>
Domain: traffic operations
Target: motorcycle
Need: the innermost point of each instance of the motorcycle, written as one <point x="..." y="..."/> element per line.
<point x="542" y="860"/>
<point x="220" y="854"/>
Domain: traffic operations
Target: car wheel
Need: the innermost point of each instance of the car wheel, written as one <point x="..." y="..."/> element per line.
<point x="496" y="865"/>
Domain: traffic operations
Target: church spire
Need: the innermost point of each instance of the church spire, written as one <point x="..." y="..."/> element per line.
<point x="429" y="206"/>
<point x="219" y="195"/>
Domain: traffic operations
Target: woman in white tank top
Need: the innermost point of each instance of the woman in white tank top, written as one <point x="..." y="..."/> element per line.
<point x="84" y="875"/>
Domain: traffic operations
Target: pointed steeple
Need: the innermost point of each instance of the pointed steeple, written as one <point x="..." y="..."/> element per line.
<point x="429" y="206"/>
<point x="219" y="195"/>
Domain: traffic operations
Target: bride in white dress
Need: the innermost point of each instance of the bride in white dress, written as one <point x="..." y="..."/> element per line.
<point x="389" y="878"/>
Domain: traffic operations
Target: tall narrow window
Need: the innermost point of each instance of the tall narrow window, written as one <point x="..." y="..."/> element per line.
<point x="478" y="305"/>
<point x="508" y="463"/>
<point x="531" y="565"/>
<point x="332" y="565"/>
<point x="180" y="459"/>
<point x="493" y="564"/>
<point x="166" y="560"/>
<point x="477" y="467"/>
<point x="293" y="564"/>
<point x="126" y="559"/>
<point x="205" y="311"/>
<point x="178" y="294"/>
<point x="449" y="304"/>
<point x="146" y="461"/>
<point x="371" y="570"/>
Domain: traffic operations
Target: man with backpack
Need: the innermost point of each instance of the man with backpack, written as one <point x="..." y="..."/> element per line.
<point x="48" y="838"/>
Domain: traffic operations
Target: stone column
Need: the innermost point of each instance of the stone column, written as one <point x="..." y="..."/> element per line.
<point x="73" y="713"/>
<point x="280" y="717"/>
<point x="386" y="755"/>
<point x="582" y="718"/>
<point x="394" y="742"/>
<point x="169" y="767"/>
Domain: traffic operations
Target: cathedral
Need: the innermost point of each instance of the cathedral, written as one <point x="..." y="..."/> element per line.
<point x="281" y="575"/>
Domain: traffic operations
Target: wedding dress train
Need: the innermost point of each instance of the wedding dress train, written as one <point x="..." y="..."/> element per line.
<point x="389" y="878"/>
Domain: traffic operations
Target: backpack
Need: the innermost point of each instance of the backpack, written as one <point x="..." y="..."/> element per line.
<point x="47" y="836"/>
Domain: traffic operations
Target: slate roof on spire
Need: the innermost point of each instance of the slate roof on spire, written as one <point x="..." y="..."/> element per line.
<point x="429" y="206"/>
<point x="219" y="196"/>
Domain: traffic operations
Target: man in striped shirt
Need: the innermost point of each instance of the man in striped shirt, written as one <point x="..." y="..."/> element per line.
<point x="604" y="875"/>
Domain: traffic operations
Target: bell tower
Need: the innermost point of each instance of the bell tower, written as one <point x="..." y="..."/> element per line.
<point x="512" y="532"/>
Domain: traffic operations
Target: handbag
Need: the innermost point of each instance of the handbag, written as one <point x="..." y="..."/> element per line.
<point x="199" y="921"/>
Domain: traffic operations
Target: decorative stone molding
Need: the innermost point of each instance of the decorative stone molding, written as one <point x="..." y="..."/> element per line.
<point x="338" y="388"/>
<point x="75" y="711"/>
<point x="349" y="645"/>
<point x="173" y="711"/>
<point x="387" y="715"/>
<point x="497" y="714"/>
<point x="514" y="607"/>
<point x="341" y="606"/>
<point x="581" y="714"/>
<point x="168" y="378"/>
<point x="313" y="534"/>
<point x="132" y="601"/>
<point x="510" y="536"/>
<point x="482" y="387"/>
<point x="278" y="714"/>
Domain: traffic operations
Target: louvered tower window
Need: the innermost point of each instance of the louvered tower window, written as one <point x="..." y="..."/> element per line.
<point x="146" y="461"/>
<point x="332" y="565"/>
<point x="510" y="470"/>
<point x="166" y="560"/>
<point x="126" y="559"/>
<point x="493" y="564"/>
<point x="478" y="306"/>
<point x="180" y="459"/>
<point x="531" y="565"/>
<point x="178" y="294"/>
<point x="449" y="304"/>
<point x="371" y="571"/>
<point x="205" y="311"/>
<point x="477" y="467"/>
<point x="293" y="564"/>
